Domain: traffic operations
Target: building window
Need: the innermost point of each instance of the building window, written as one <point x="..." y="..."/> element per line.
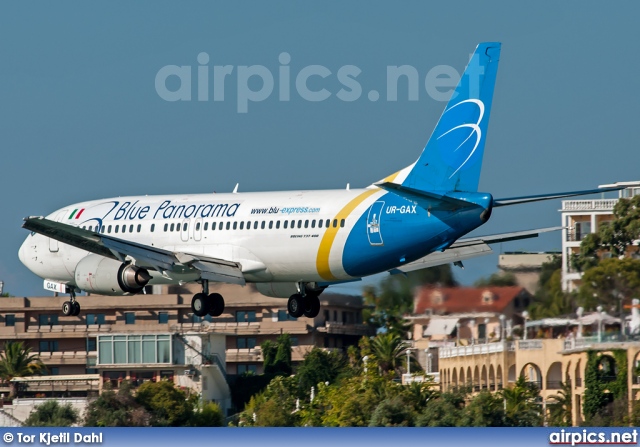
<point x="241" y="316"/>
<point x="10" y="320"/>
<point x="47" y="319"/>
<point x="197" y="319"/>
<point x="283" y="315"/>
<point x="54" y="371"/>
<point x="91" y="344"/>
<point x="48" y="346"/>
<point x="130" y="318"/>
<point x="294" y="341"/>
<point x="134" y="349"/>
<point x="163" y="317"/>
<point x="244" y="369"/>
<point x="246" y="342"/>
<point x="96" y="319"/>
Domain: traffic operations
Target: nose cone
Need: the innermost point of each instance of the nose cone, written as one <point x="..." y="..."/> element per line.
<point x="26" y="254"/>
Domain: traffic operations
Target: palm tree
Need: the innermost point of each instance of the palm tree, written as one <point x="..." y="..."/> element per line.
<point x="18" y="361"/>
<point x="521" y="406"/>
<point x="388" y="348"/>
<point x="560" y="410"/>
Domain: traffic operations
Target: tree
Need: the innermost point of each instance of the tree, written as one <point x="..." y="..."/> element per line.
<point x="119" y="409"/>
<point x="393" y="412"/>
<point x="277" y="357"/>
<point x="484" y="410"/>
<point x="273" y="407"/>
<point x="522" y="408"/>
<point x="167" y="405"/>
<point x="388" y="350"/>
<point x="52" y="414"/>
<point x="560" y="409"/>
<point x="444" y="410"/>
<point x="497" y="280"/>
<point x="18" y="361"/>
<point x="614" y="237"/>
<point x="550" y="300"/>
<point x="610" y="281"/>
<point x="208" y="414"/>
<point x="318" y="366"/>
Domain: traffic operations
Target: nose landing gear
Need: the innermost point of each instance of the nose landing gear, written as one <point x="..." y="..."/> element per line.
<point x="71" y="308"/>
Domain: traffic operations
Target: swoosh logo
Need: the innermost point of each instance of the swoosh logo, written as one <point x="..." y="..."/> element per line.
<point x="474" y="130"/>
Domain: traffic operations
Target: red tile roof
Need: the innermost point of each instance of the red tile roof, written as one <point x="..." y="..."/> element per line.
<point x="465" y="299"/>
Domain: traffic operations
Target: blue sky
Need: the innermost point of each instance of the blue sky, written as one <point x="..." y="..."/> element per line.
<point x="80" y="117"/>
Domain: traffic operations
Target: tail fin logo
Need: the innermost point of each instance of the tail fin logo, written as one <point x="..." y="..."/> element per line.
<point x="465" y="150"/>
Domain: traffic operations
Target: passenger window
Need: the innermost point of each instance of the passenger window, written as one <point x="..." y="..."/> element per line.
<point x="306" y="223"/>
<point x="255" y="225"/>
<point x="313" y="223"/>
<point x="131" y="228"/>
<point x="206" y="226"/>
<point x="109" y="229"/>
<point x="153" y="227"/>
<point x="242" y="225"/>
<point x="270" y="224"/>
<point x="117" y="226"/>
<point x="228" y="225"/>
<point x="300" y="224"/>
<point x="293" y="224"/>
<point x="262" y="225"/>
<point x="235" y="225"/>
<point x="102" y="229"/>
<point x="124" y="228"/>
<point x="277" y="224"/>
<point x="165" y="227"/>
<point x="172" y="227"/>
<point x="335" y="223"/>
<point x="198" y="226"/>
<point x="320" y="223"/>
<point x="328" y="223"/>
<point x="285" y="224"/>
<point x="184" y="227"/>
<point x="342" y="223"/>
<point x="213" y="226"/>
<point x="177" y="227"/>
<point x="139" y="227"/>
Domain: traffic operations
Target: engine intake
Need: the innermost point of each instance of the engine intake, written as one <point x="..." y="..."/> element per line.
<point x="105" y="276"/>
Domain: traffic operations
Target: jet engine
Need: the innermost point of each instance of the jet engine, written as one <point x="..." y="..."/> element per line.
<point x="277" y="289"/>
<point x="105" y="276"/>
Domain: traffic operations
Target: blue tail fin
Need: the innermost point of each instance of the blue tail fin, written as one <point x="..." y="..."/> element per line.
<point x="452" y="158"/>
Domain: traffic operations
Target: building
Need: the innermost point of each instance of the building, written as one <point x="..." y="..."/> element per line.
<point x="156" y="337"/>
<point x="525" y="267"/>
<point x="581" y="217"/>
<point x="548" y="363"/>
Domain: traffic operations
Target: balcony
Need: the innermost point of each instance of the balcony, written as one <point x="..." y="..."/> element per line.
<point x="67" y="357"/>
<point x="337" y="327"/>
<point x="589" y="205"/>
<point x="488" y="348"/>
<point x="244" y="355"/>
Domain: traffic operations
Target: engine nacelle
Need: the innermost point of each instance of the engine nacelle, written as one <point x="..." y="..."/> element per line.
<point x="105" y="276"/>
<point x="277" y="289"/>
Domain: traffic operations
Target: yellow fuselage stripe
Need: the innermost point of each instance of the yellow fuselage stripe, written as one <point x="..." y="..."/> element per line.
<point x="322" y="260"/>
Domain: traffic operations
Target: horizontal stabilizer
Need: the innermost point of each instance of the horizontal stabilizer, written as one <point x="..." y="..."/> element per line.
<point x="558" y="195"/>
<point x="468" y="248"/>
<point x="428" y="200"/>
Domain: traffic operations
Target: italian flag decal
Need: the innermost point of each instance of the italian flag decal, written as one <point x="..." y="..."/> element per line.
<point x="77" y="213"/>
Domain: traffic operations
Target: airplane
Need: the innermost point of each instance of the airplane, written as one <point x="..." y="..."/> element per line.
<point x="289" y="244"/>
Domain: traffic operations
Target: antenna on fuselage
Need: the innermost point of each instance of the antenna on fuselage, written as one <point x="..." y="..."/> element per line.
<point x="235" y="190"/>
<point x="348" y="187"/>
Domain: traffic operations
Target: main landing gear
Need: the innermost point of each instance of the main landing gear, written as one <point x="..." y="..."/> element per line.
<point x="205" y="303"/>
<point x="71" y="308"/>
<point x="304" y="303"/>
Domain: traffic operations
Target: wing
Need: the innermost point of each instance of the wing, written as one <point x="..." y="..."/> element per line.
<point x="154" y="258"/>
<point x="468" y="248"/>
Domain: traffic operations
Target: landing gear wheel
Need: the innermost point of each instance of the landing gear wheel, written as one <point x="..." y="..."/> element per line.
<point x="67" y="308"/>
<point x="199" y="304"/>
<point x="216" y="304"/>
<point x="295" y="305"/>
<point x="311" y="306"/>
<point x="76" y="308"/>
